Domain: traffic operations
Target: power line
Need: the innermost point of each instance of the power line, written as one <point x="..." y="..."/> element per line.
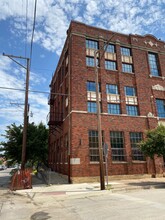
<point x="61" y="94"/>
<point x="34" y="21"/>
<point x="26" y="27"/>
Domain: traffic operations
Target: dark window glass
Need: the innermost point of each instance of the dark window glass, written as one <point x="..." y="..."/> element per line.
<point x="130" y="91"/>
<point x="93" y="145"/>
<point x="110" y="65"/>
<point x="135" y="138"/>
<point x="127" y="68"/>
<point x="132" y="110"/>
<point x="114" y="109"/>
<point x="91" y="44"/>
<point x="91" y="86"/>
<point x="112" y="89"/>
<point x="153" y="62"/>
<point x="125" y="51"/>
<point x="160" y="104"/>
<point x="90" y="61"/>
<point x="92" y="107"/>
<point x="117" y="146"/>
<point x="110" y="48"/>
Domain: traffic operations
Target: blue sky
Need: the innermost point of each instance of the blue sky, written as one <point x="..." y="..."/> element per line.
<point x="52" y="21"/>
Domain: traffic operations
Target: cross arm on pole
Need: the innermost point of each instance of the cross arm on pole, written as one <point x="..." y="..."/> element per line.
<point x="18" y="57"/>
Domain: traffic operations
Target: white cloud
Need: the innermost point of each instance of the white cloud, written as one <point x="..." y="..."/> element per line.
<point x="53" y="17"/>
<point x="12" y="101"/>
<point x="52" y="21"/>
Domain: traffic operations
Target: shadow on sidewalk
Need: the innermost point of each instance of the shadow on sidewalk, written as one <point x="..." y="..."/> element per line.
<point x="155" y="184"/>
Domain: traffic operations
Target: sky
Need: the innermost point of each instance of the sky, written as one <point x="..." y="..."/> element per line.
<point x="52" y="21"/>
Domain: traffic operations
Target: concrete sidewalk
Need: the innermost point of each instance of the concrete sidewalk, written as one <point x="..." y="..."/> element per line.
<point x="93" y="188"/>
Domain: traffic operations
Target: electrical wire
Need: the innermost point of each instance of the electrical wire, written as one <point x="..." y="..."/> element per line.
<point x="54" y="93"/>
<point x="26" y="33"/>
<point x="34" y="22"/>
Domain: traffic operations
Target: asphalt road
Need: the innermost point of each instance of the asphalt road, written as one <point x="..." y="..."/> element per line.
<point x="5" y="178"/>
<point x="132" y="205"/>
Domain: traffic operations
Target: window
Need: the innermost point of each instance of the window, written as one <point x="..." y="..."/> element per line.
<point x="160" y="104"/>
<point x="91" y="86"/>
<point x="112" y="89"/>
<point x="92" y="107"/>
<point x="127" y="68"/>
<point x="132" y="110"/>
<point x="153" y="62"/>
<point x="110" y="48"/>
<point x="135" y="138"/>
<point x="93" y="145"/>
<point x="130" y="91"/>
<point x="110" y="65"/>
<point x="117" y="146"/>
<point x="92" y="44"/>
<point x="125" y="51"/>
<point x="114" y="109"/>
<point x="90" y="61"/>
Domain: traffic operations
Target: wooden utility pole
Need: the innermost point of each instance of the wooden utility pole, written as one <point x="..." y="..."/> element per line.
<point x="26" y="110"/>
<point x="102" y="181"/>
<point x="100" y="143"/>
<point x="26" y="106"/>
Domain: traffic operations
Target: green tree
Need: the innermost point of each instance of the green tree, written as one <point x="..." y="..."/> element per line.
<point x="37" y="143"/>
<point x="154" y="144"/>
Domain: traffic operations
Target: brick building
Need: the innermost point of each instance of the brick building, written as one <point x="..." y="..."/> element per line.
<point x="131" y="75"/>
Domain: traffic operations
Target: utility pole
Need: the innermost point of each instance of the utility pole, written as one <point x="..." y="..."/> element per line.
<point x="26" y="106"/>
<point x="102" y="182"/>
<point x="100" y="143"/>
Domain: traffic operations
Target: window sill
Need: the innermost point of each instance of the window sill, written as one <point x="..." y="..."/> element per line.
<point x="157" y="77"/>
<point x="139" y="161"/>
<point x="107" y="70"/>
<point x="119" y="162"/>
<point x="128" y="73"/>
<point x="95" y="162"/>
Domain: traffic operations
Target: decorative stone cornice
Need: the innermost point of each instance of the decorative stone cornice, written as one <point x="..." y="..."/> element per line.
<point x="151" y="43"/>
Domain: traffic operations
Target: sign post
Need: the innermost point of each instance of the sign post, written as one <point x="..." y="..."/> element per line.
<point x="105" y="148"/>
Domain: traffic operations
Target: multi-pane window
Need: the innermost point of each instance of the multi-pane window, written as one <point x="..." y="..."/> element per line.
<point x="114" y="109"/>
<point x="125" y="51"/>
<point x="91" y="86"/>
<point x="130" y="91"/>
<point x="135" y="138"/>
<point x="110" y="48"/>
<point x="132" y="110"/>
<point x="110" y="65"/>
<point x="90" y="61"/>
<point x="112" y="89"/>
<point x="160" y="104"/>
<point x="92" y="107"/>
<point x="127" y="68"/>
<point x="153" y="62"/>
<point x="92" y="44"/>
<point x="93" y="145"/>
<point x="117" y="146"/>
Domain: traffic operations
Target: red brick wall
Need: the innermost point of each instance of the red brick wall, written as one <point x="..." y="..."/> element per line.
<point x="81" y="122"/>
